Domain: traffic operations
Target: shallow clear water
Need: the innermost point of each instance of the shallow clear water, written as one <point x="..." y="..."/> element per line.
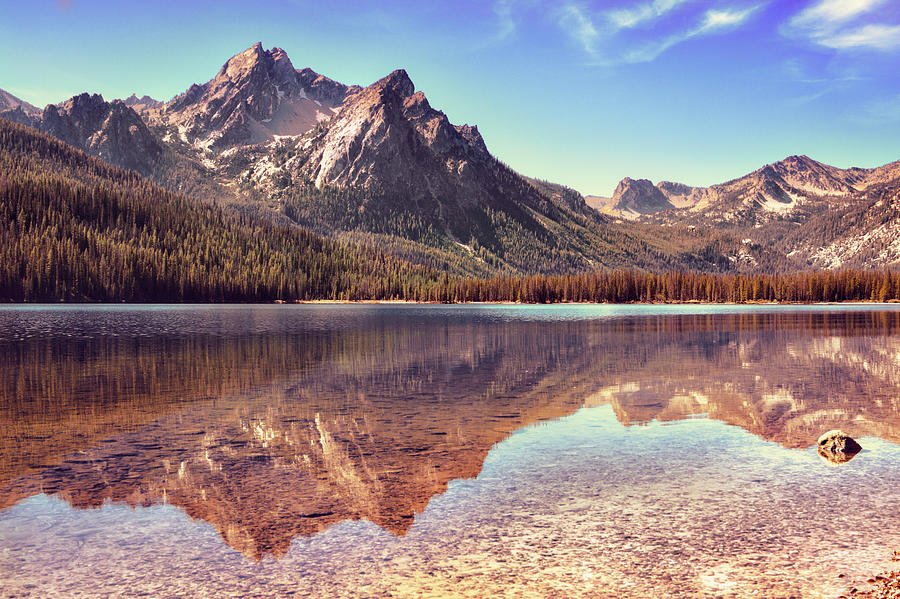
<point x="598" y="451"/>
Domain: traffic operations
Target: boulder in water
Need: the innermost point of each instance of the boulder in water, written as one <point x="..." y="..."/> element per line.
<point x="838" y="447"/>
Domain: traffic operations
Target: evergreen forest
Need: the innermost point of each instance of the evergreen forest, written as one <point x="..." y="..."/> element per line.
<point x="74" y="228"/>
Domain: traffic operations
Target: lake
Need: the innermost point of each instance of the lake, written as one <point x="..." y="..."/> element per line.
<point x="446" y="451"/>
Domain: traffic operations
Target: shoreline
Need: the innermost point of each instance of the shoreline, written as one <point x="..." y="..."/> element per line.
<point x="891" y="302"/>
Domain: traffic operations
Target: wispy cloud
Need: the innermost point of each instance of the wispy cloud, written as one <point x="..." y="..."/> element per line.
<point x="812" y="80"/>
<point x="723" y="19"/>
<point x="714" y="21"/>
<point x="578" y="24"/>
<point x="845" y="24"/>
<point x="599" y="34"/>
<point x="798" y="71"/>
<point x="873" y="36"/>
<point x="833" y="12"/>
<point x="808" y="98"/>
<point x="624" y="18"/>
<point x="506" y="24"/>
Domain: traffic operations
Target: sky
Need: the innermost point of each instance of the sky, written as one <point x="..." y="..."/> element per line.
<point x="576" y="92"/>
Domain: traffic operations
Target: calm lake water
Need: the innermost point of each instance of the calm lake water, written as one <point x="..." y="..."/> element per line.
<point x="430" y="451"/>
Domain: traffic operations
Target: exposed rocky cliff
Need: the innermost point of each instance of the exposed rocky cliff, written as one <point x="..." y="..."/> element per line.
<point x="634" y="197"/>
<point x="109" y="130"/>
<point x="389" y="138"/>
<point x="388" y="163"/>
<point x="381" y="165"/>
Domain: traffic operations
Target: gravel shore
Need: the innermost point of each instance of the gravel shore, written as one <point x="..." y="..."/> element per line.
<point x="883" y="586"/>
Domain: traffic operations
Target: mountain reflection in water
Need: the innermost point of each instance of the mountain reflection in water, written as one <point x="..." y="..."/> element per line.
<point x="272" y="432"/>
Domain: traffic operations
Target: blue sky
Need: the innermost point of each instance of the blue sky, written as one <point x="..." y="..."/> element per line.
<point x="577" y="92"/>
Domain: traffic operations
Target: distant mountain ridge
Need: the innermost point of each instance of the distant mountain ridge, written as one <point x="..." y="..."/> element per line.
<point x="112" y="131"/>
<point x="639" y="196"/>
<point x="777" y="188"/>
<point x="810" y="214"/>
<point x="145" y="102"/>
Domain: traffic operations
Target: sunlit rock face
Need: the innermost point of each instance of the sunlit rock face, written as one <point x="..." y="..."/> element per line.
<point x="387" y="132"/>
<point x="144" y="103"/>
<point x="639" y="196"/>
<point x="808" y="214"/>
<point x="276" y="434"/>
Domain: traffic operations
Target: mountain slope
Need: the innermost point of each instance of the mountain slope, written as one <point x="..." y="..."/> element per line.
<point x="74" y="227"/>
<point x="375" y="166"/>
<point x="143" y="103"/>
<point x="18" y="110"/>
<point x="10" y="102"/>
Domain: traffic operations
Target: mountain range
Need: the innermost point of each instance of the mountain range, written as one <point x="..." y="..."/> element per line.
<point x="792" y="185"/>
<point x="379" y="166"/>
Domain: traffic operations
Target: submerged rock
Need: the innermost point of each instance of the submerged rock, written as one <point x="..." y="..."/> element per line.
<point x="838" y="447"/>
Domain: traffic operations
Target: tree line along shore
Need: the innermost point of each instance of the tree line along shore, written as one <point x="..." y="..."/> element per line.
<point x="74" y="228"/>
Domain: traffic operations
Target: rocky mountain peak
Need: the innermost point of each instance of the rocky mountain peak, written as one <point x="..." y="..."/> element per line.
<point x="629" y="185"/>
<point x="673" y="188"/>
<point x="772" y="191"/>
<point x="258" y="68"/>
<point x="397" y="83"/>
<point x="388" y="136"/>
<point x="109" y="130"/>
<point x="282" y="67"/>
<point x="83" y="101"/>
<point x="799" y="159"/>
<point x="471" y="134"/>
<point x="142" y="103"/>
<point x="804" y="174"/>
<point x="255" y="96"/>
<point x="243" y="63"/>
<point x="18" y="110"/>
<point x="640" y="196"/>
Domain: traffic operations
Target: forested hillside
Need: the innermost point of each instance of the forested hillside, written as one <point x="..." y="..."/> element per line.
<point x="75" y="228"/>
